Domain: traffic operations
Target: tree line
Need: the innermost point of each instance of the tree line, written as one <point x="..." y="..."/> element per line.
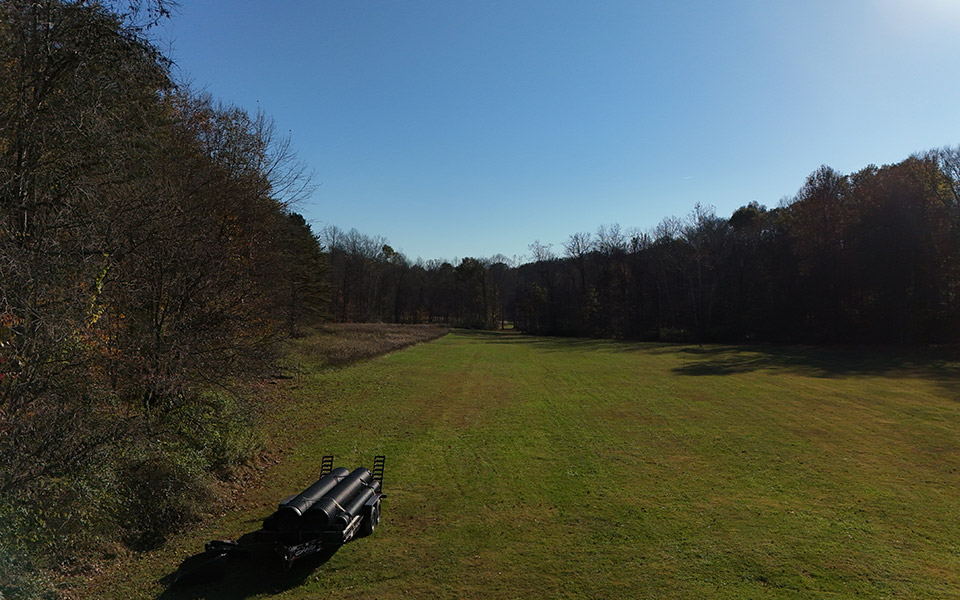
<point x="150" y="263"/>
<point x="869" y="257"/>
<point x="370" y="281"/>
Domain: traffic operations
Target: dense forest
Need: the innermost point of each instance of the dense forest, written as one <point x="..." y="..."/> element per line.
<point x="150" y="263"/>
<point x="870" y="257"/>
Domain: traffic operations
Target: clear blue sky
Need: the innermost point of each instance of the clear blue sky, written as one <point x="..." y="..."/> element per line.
<point x="470" y="128"/>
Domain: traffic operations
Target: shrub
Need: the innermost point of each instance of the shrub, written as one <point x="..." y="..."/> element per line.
<point x="164" y="489"/>
<point x="223" y="428"/>
<point x="19" y="577"/>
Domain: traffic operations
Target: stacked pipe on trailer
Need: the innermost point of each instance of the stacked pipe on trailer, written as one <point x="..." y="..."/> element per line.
<point x="288" y="515"/>
<point x="336" y="508"/>
<point x="333" y="501"/>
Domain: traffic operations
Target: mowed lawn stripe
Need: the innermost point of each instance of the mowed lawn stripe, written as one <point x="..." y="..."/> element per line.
<point x="524" y="467"/>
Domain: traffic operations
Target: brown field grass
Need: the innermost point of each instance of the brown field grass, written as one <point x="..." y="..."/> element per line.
<point x="339" y="344"/>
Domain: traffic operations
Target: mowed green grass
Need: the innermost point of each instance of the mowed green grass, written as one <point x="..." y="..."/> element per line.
<point x="524" y="467"/>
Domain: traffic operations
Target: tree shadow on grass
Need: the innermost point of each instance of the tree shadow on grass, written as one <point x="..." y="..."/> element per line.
<point x="246" y="576"/>
<point x="815" y="361"/>
<point x="938" y="364"/>
<point x="554" y="343"/>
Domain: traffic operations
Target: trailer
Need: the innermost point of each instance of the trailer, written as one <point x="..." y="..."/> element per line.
<point x="339" y="507"/>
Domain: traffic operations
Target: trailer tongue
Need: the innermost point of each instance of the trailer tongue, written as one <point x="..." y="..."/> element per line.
<point x="341" y="506"/>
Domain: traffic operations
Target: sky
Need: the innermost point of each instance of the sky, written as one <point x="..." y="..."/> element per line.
<point x="456" y="128"/>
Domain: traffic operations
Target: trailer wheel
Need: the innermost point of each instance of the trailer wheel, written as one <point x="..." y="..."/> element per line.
<point x="371" y="521"/>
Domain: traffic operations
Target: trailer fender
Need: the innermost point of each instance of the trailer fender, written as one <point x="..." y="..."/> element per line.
<point x="371" y="515"/>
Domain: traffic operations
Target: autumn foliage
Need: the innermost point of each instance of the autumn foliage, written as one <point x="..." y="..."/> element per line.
<point x="149" y="263"/>
<point x="870" y="257"/>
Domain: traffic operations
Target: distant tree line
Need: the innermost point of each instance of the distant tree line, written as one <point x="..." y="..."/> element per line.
<point x="869" y="257"/>
<point x="370" y="281"/>
<point x="149" y="263"/>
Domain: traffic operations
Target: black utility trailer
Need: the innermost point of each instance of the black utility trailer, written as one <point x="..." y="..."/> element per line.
<point x="341" y="506"/>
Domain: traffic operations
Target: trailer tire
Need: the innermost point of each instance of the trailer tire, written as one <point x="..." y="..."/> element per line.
<point x="371" y="521"/>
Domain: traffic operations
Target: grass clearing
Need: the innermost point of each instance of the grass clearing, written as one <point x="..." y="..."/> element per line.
<point x="524" y="467"/>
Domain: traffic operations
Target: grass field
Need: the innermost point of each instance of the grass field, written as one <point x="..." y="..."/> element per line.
<point x="523" y="467"/>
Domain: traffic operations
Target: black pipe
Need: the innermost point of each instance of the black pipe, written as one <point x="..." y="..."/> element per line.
<point x="287" y="515"/>
<point x="331" y="509"/>
<point x="356" y="505"/>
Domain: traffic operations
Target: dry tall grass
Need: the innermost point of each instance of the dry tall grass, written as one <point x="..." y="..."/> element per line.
<point x="338" y="344"/>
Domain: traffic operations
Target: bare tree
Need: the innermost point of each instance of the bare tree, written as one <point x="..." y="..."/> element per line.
<point x="576" y="248"/>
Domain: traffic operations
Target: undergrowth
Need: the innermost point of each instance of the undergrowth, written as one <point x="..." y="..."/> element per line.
<point x="132" y="495"/>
